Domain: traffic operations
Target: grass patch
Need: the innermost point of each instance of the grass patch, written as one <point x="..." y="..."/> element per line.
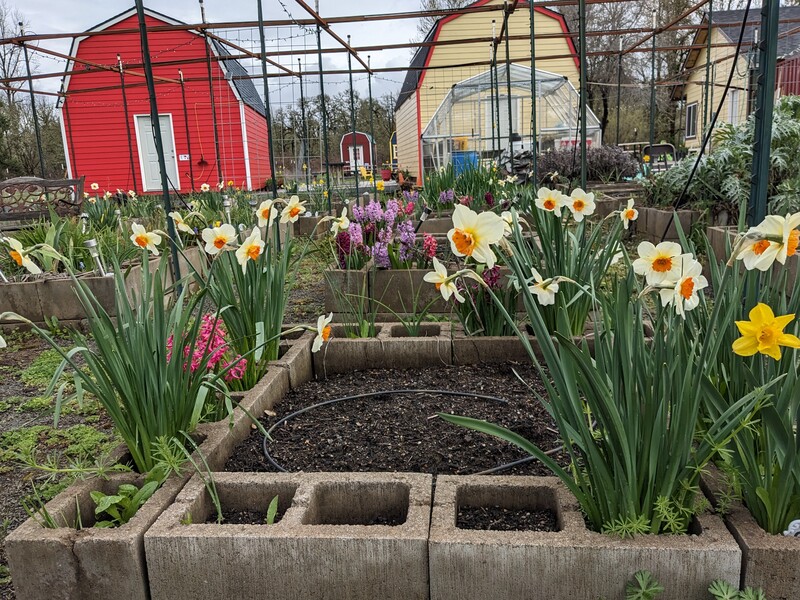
<point x="41" y="370"/>
<point x="77" y="441"/>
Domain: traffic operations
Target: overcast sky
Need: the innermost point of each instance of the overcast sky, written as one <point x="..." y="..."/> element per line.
<point x="54" y="16"/>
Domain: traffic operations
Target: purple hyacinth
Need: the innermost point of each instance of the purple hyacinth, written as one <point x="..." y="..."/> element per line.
<point x="358" y="214"/>
<point x="447" y="197"/>
<point x="411" y="196"/>
<point x="408" y="238"/>
<point x="373" y="211"/>
<point x="391" y="212"/>
<point x="343" y="248"/>
<point x="356" y="234"/>
<point x="380" y="254"/>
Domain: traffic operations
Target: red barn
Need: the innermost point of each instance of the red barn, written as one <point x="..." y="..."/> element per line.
<point x="96" y="132"/>
<point x="363" y="151"/>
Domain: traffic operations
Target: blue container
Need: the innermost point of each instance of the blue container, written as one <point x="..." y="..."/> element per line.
<point x="464" y="161"/>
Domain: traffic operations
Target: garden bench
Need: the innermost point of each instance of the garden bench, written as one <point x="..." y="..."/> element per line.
<point x="27" y="199"/>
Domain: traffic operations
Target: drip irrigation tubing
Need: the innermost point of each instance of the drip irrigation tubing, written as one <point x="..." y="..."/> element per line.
<point x="296" y="413"/>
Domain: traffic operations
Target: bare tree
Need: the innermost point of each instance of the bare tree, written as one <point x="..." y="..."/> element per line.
<point x="11" y="60"/>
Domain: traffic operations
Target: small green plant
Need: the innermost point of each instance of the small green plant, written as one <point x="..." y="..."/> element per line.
<point x="117" y="509"/>
<point x="272" y="511"/>
<point x="643" y="586"/>
<point x="722" y="590"/>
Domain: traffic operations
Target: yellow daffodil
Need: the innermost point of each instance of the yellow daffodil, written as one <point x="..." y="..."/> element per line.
<point x="204" y="187"/>
<point x="230" y="183"/>
<point x="544" y="289"/>
<point x="325" y="194"/>
<point x="549" y="200"/>
<point x="340" y="223"/>
<point x="250" y="249"/>
<point x="446" y="285"/>
<point x="293" y="210"/>
<point x="266" y="213"/>
<point x="658" y="263"/>
<point x="94" y="187"/>
<point x="216" y="238"/>
<point x="145" y="239"/>
<point x="682" y="293"/>
<point x="323" y="332"/>
<point x="628" y="214"/>
<point x="380" y="186"/>
<point x="775" y="239"/>
<point x="581" y="204"/>
<point x="764" y="333"/>
<point x="473" y="234"/>
<point x="180" y="224"/>
<point x="646" y="158"/>
<point x="20" y="256"/>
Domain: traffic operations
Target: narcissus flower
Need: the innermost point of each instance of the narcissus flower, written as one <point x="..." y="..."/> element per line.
<point x="508" y="222"/>
<point x="216" y="238"/>
<point x="683" y="292"/>
<point x="628" y="214"/>
<point x="446" y="285"/>
<point x="3" y="342"/>
<point x="145" y="239"/>
<point x="379" y="186"/>
<point x="764" y="333"/>
<point x="250" y="249"/>
<point x="581" y="204"/>
<point x="775" y="239"/>
<point x="323" y="332"/>
<point x="550" y="200"/>
<point x="658" y="263"/>
<point x="180" y="224"/>
<point x="266" y="213"/>
<point x="204" y="187"/>
<point x="108" y="195"/>
<point x="340" y="223"/>
<point x="94" y="187"/>
<point x="20" y="256"/>
<point x="293" y="210"/>
<point x="544" y="289"/>
<point x="473" y="234"/>
<point x="131" y="194"/>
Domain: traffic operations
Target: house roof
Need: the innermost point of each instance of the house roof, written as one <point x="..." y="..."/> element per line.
<point x="415" y="73"/>
<point x="243" y="88"/>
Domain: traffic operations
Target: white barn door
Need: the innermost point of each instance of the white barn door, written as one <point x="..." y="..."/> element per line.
<point x="148" y="158"/>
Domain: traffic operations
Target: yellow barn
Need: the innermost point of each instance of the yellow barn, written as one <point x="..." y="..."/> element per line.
<point x="437" y="70"/>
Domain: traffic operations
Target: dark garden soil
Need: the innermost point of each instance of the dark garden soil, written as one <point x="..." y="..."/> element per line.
<point x="497" y="518"/>
<point x="245" y="517"/>
<point x="401" y="432"/>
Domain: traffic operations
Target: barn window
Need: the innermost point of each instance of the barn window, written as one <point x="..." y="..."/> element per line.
<point x="691" y="120"/>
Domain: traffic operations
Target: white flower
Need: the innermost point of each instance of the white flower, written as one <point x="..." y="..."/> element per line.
<point x="131" y="194"/>
<point x="550" y="200"/>
<point x="658" y="263"/>
<point x="446" y="285"/>
<point x="204" y="187"/>
<point x="94" y="187"/>
<point x="508" y="222"/>
<point x="20" y="256"/>
<point x="340" y="224"/>
<point x="216" y="238"/>
<point x="581" y="204"/>
<point x="145" y="239"/>
<point x="180" y="224"/>
<point x="544" y="289"/>
<point x="266" y="213"/>
<point x="628" y="214"/>
<point x="473" y="234"/>
<point x="682" y="293"/>
<point x="774" y="239"/>
<point x="293" y="210"/>
<point x="323" y="332"/>
<point x="250" y="249"/>
<point x="108" y="195"/>
<point x="3" y="342"/>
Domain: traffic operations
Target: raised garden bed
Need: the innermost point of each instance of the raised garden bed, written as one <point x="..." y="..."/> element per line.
<point x="654" y="222"/>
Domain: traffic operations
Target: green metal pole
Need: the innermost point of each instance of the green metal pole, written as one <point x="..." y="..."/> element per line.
<point x="619" y="90"/>
<point x="156" y="126"/>
<point x="508" y="88"/>
<point x="496" y="89"/>
<point x="582" y="39"/>
<point x="491" y="98"/>
<point x="653" y="90"/>
<point x="372" y="130"/>
<point x="267" y="111"/>
<point x="34" y="113"/>
<point x="134" y="187"/>
<point x="765" y="94"/>
<point x="353" y="116"/>
<point x="708" y="66"/>
<point x="306" y="155"/>
<point x="185" y="127"/>
<point x="211" y="96"/>
<point x="534" y="137"/>
<point x="324" y="112"/>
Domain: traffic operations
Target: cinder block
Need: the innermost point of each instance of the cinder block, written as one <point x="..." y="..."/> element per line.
<point x="405" y="291"/>
<point x="657" y="221"/>
<point x="344" y="288"/>
<point x="436" y="225"/>
<point x="57" y="297"/>
<point x="572" y="563"/>
<point x="325" y="545"/>
<point x="21" y="298"/>
<point x="342" y="354"/>
<point x="432" y="347"/>
<point x="297" y="360"/>
<point x="472" y="350"/>
<point x="308" y="225"/>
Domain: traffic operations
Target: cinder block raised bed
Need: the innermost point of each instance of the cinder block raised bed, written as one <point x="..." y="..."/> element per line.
<point x="308" y="225"/>
<point x="654" y="222"/>
<point x="344" y="536"/>
<point x="345" y="287"/>
<point x="571" y="563"/>
<point x="405" y="291"/>
<point x="438" y="226"/>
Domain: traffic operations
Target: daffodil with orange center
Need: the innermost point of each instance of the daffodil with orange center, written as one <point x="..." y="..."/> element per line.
<point x="323" y="332"/>
<point x="473" y="234"/>
<point x="148" y="240"/>
<point x="445" y="284"/>
<point x="550" y="200"/>
<point x="774" y="239"/>
<point x="658" y="263"/>
<point x="628" y="214"/>
<point x="682" y="293"/>
<point x="250" y="249"/>
<point x="581" y="204"/>
<point x="292" y="211"/>
<point x="20" y="256"/>
<point x="216" y="238"/>
<point x="266" y="213"/>
<point x="764" y="333"/>
<point x="204" y="187"/>
<point x="180" y="224"/>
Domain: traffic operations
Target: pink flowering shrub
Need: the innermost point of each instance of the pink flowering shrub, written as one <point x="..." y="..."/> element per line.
<point x="211" y="351"/>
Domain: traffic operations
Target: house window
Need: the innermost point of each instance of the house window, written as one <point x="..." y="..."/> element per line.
<point x="691" y="120"/>
<point x="733" y="106"/>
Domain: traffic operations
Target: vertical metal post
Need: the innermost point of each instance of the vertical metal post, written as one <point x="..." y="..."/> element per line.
<point x="533" y="97"/>
<point x="33" y="104"/>
<point x="708" y="84"/>
<point x="496" y="43"/>
<point x="508" y="87"/>
<point x="582" y="39"/>
<point x="619" y="90"/>
<point x="68" y="125"/>
<point x="156" y="127"/>
<point x="127" y="121"/>
<point x="491" y="98"/>
<point x="323" y="110"/>
<point x="371" y="129"/>
<point x="267" y="111"/>
<point x="653" y="90"/>
<point x="352" y="115"/>
<point x="304" y="125"/>
<point x="185" y="125"/>
<point x="765" y="98"/>
<point x="211" y="95"/>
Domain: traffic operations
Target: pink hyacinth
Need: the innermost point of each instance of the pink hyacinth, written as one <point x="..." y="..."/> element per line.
<point x="429" y="245"/>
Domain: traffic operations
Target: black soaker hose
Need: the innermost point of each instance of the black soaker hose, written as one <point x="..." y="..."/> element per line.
<point x="386" y="393"/>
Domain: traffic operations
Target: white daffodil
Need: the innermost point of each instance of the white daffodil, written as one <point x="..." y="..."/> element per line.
<point x="446" y="285"/>
<point x="216" y="238"/>
<point x="266" y="213"/>
<point x="293" y="210"/>
<point x="549" y="200"/>
<point x="3" y="342"/>
<point x="341" y="223"/>
<point x="658" y="263"/>
<point x="473" y="234"/>
<point x="250" y="249"/>
<point x="20" y="256"/>
<point x="683" y="292"/>
<point x="775" y="239"/>
<point x="581" y="204"/>
<point x="180" y="224"/>
<point x="323" y="332"/>
<point x="628" y="214"/>
<point x="544" y="289"/>
<point x="108" y="195"/>
<point x="131" y="194"/>
<point x="145" y="239"/>
<point x="508" y="222"/>
<point x="757" y="252"/>
<point x="94" y="187"/>
<point x="204" y="187"/>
